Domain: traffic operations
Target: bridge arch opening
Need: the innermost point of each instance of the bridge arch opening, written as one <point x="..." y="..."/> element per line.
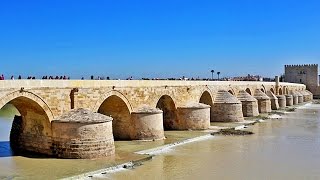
<point x="280" y="91"/>
<point x="248" y="91"/>
<point x="231" y="92"/>
<point x="207" y="99"/>
<point x="30" y="128"/>
<point x="271" y="89"/>
<point x="167" y="105"/>
<point x="116" y="108"/>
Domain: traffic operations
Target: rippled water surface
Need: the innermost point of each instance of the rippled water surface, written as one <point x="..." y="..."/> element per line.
<point x="280" y="149"/>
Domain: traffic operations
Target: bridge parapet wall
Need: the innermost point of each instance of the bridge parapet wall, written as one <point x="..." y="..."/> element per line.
<point x="57" y="93"/>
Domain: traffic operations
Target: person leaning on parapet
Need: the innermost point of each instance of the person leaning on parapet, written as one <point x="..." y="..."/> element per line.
<point x="2" y="77"/>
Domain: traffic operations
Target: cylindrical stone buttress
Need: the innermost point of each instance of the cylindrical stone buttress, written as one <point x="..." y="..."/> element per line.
<point x="264" y="103"/>
<point x="289" y="100"/>
<point x="194" y="116"/>
<point x="249" y="104"/>
<point x="227" y="108"/>
<point x="81" y="134"/>
<point x="282" y="101"/>
<point x="300" y="97"/>
<point x="148" y="123"/>
<point x="274" y="100"/>
<point x="295" y="98"/>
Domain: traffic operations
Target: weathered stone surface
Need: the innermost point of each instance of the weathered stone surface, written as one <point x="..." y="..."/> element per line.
<point x="249" y="104"/>
<point x="295" y="97"/>
<point x="282" y="101"/>
<point x="305" y="73"/>
<point x="148" y="124"/>
<point x="274" y="100"/>
<point x="41" y="101"/>
<point x="82" y="134"/>
<point x="307" y="96"/>
<point x="264" y="102"/>
<point x="289" y="100"/>
<point x="194" y="116"/>
<point x="227" y="108"/>
<point x="300" y="97"/>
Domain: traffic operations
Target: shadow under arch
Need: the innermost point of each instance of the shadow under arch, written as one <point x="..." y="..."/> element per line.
<point x="27" y="95"/>
<point x="272" y="90"/>
<point x="280" y="91"/>
<point x="31" y="130"/>
<point x="170" y="119"/>
<point x="206" y="98"/>
<point x="263" y="89"/>
<point x="117" y="107"/>
<point x="287" y="90"/>
<point x="231" y="92"/>
<point x="249" y="91"/>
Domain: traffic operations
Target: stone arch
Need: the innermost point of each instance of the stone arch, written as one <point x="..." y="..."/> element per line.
<point x="30" y="96"/>
<point x="231" y="91"/>
<point x="108" y="94"/>
<point x="280" y="91"/>
<point x="284" y="90"/>
<point x="206" y="98"/>
<point x="117" y="107"/>
<point x="249" y="91"/>
<point x="168" y="106"/>
<point x="272" y="90"/>
<point x="31" y="130"/>
<point x="263" y="89"/>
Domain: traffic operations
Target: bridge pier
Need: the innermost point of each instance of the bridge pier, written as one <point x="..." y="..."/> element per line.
<point x="82" y="134"/>
<point x="306" y="96"/>
<point x="274" y="100"/>
<point x="300" y="97"/>
<point x="249" y="104"/>
<point x="289" y="100"/>
<point x="282" y="101"/>
<point x="295" y="98"/>
<point x="227" y="108"/>
<point x="23" y="141"/>
<point x="195" y="116"/>
<point x="31" y="131"/>
<point x="148" y="124"/>
<point x="264" y="103"/>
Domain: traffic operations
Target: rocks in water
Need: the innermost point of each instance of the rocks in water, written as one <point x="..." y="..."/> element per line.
<point x="232" y="132"/>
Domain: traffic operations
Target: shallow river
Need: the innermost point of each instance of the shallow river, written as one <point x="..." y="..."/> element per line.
<point x="287" y="148"/>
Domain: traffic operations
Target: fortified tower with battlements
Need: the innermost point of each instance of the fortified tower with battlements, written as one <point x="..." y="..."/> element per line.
<point x="306" y="74"/>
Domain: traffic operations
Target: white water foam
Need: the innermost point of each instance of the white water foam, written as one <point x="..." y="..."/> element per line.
<point x="167" y="148"/>
<point x="102" y="172"/>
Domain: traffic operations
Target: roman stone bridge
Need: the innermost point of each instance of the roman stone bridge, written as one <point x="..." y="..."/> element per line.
<point x="141" y="109"/>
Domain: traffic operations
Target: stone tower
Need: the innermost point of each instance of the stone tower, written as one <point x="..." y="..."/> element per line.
<point x="306" y="74"/>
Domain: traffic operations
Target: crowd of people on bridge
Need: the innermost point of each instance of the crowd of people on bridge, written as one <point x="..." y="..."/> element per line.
<point x="2" y="77"/>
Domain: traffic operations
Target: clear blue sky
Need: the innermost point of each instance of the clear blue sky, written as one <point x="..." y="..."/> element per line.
<point x="157" y="38"/>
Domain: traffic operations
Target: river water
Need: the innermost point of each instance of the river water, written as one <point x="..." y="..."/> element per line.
<point x="287" y="148"/>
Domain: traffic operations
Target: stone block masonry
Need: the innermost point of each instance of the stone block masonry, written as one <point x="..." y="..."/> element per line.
<point x="140" y="109"/>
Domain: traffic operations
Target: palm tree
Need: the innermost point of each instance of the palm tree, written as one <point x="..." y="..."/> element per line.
<point x="212" y="71"/>
<point x="218" y="74"/>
